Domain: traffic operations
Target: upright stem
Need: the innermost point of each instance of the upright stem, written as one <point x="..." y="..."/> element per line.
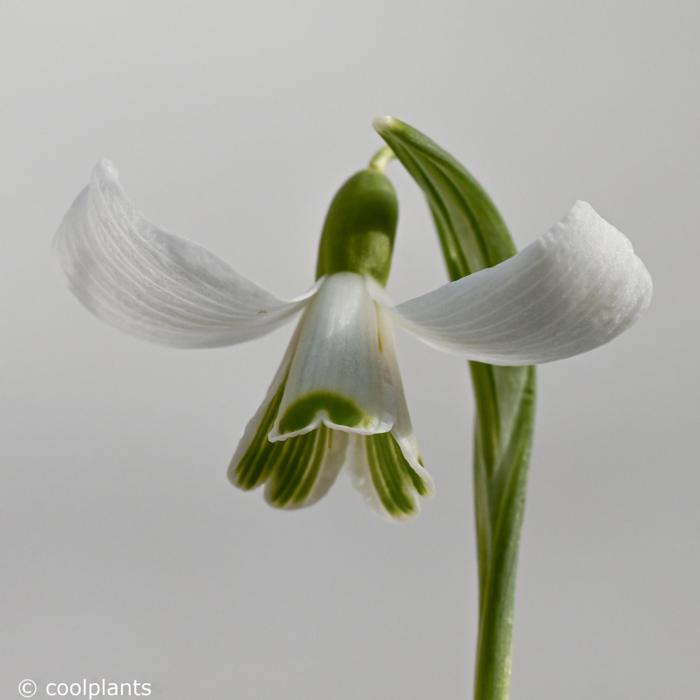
<point x="500" y="481"/>
<point x="493" y="656"/>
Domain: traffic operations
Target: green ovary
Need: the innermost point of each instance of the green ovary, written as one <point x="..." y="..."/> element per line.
<point x="360" y="227"/>
<point x="338" y="409"/>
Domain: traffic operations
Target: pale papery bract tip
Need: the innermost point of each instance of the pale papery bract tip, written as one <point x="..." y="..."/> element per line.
<point x="384" y="123"/>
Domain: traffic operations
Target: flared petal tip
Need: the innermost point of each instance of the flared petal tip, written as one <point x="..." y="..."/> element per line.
<point x="590" y="235"/>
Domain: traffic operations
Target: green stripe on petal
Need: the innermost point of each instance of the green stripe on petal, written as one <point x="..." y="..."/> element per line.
<point x="304" y="468"/>
<point x="288" y="470"/>
<point x="296" y="470"/>
<point x="396" y="484"/>
<point x="250" y="464"/>
<point x="254" y="466"/>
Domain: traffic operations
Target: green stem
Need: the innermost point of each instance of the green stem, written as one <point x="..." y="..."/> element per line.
<point x="500" y="506"/>
<point x="494" y="646"/>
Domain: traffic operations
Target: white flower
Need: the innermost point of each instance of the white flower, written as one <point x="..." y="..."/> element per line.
<point x="337" y="398"/>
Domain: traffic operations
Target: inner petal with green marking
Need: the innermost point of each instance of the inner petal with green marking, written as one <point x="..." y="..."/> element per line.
<point x="332" y="408"/>
<point x="336" y="376"/>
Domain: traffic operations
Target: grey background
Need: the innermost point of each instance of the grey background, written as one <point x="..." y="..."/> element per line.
<point x="125" y="553"/>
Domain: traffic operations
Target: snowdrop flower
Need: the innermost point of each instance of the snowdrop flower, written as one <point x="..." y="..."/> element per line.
<point x="337" y="398"/>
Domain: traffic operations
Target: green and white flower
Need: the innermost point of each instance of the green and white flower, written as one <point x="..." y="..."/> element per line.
<point x="337" y="399"/>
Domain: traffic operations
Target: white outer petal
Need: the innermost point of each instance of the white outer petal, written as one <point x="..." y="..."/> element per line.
<point x="338" y="352"/>
<point x="154" y="285"/>
<point x="576" y="288"/>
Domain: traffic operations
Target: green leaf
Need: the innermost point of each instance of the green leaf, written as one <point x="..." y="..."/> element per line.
<point x="473" y="236"/>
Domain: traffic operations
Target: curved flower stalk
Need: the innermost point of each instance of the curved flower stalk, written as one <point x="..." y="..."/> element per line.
<point x="337" y="398"/>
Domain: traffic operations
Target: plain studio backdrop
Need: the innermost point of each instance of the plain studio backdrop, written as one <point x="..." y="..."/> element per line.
<point x="125" y="553"/>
